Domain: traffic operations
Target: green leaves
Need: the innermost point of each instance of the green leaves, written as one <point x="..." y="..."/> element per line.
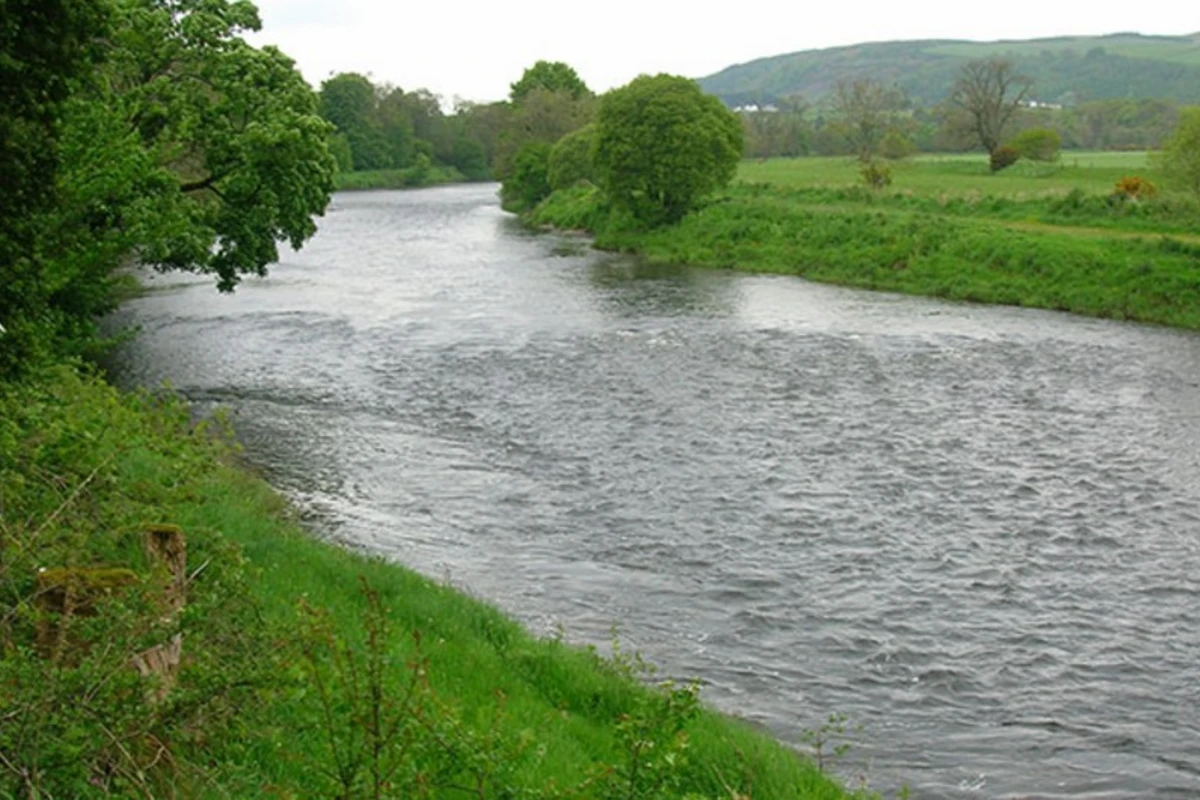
<point x="662" y="145"/>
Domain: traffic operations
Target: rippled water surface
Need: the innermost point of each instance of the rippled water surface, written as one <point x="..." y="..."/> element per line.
<point x="973" y="530"/>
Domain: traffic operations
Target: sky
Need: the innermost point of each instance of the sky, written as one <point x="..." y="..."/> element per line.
<point x="474" y="50"/>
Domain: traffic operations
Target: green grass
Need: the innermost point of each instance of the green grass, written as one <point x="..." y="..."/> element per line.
<point x="83" y="468"/>
<point x="956" y="174"/>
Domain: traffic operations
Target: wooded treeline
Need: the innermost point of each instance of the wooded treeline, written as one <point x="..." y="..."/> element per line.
<point x="380" y="126"/>
<point x="793" y="127"/>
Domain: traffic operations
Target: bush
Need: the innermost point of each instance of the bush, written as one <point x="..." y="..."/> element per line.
<point x="876" y="174"/>
<point x="571" y="158"/>
<point x="1037" y="144"/>
<point x="1134" y="187"/>
<point x="1003" y="157"/>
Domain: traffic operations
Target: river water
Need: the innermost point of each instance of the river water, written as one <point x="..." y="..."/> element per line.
<point x="975" y="531"/>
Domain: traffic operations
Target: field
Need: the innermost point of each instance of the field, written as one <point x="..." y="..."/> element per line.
<point x="958" y="174"/>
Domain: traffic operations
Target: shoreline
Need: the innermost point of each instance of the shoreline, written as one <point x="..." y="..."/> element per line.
<point x="854" y="239"/>
<point x="267" y="595"/>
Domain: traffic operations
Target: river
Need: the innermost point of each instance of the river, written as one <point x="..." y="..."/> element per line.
<point x="975" y="531"/>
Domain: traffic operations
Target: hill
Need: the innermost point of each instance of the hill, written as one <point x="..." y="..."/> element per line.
<point x="1064" y="69"/>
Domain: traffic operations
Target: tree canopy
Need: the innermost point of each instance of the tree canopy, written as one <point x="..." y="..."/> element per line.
<point x="549" y="76"/>
<point x="662" y="144"/>
<point x="176" y="143"/>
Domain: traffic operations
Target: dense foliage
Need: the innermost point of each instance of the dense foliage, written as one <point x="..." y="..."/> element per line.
<point x="47" y="45"/>
<point x="383" y="127"/>
<point x="662" y="144"/>
<point x="164" y="137"/>
<point x="571" y="159"/>
<point x="549" y="76"/>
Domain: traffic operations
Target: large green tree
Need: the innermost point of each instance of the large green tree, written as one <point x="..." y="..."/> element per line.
<point x="549" y="76"/>
<point x="985" y="100"/>
<point x="183" y="147"/>
<point x="348" y="100"/>
<point x="662" y="144"/>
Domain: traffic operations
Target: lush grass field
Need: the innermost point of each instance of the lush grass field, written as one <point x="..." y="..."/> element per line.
<point x="955" y="174"/>
<point x="297" y="681"/>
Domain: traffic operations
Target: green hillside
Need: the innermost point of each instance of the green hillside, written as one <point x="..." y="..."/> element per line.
<point x="1064" y="69"/>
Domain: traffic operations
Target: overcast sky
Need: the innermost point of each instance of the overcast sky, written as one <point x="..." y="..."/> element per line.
<point x="476" y="49"/>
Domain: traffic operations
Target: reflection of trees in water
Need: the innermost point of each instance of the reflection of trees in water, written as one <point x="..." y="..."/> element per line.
<point x="632" y="287"/>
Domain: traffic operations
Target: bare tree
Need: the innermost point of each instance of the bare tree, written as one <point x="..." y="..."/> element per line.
<point x="988" y="93"/>
<point x="866" y="111"/>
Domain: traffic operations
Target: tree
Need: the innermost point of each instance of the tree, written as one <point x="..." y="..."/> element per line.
<point x="542" y="116"/>
<point x="662" y="144"/>
<point x="228" y="153"/>
<point x="177" y="144"/>
<point x="46" y="46"/>
<point x="348" y="100"/>
<point x="549" y="76"/>
<point x="866" y="111"/>
<point x="987" y="95"/>
<point x="1181" y="152"/>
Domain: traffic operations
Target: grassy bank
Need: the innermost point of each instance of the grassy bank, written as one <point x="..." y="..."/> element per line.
<point x="308" y="671"/>
<point x="406" y="178"/>
<point x="1035" y="239"/>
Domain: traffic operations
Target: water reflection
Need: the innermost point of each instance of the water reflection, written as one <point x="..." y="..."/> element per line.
<point x="631" y="287"/>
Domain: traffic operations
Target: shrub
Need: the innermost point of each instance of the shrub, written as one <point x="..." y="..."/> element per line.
<point x="1037" y="144"/>
<point x="1003" y="157"/>
<point x="876" y="175"/>
<point x="1134" y="187"/>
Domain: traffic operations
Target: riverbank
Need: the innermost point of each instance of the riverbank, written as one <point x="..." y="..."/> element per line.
<point x="414" y="177"/>
<point x="308" y="670"/>
<point x="1083" y="249"/>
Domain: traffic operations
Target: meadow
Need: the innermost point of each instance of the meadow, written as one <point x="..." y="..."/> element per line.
<point x="956" y="174"/>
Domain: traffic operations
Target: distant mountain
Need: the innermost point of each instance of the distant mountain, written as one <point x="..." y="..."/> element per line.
<point x="1064" y="70"/>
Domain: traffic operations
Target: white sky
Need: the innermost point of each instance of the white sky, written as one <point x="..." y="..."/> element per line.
<point x="476" y="49"/>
